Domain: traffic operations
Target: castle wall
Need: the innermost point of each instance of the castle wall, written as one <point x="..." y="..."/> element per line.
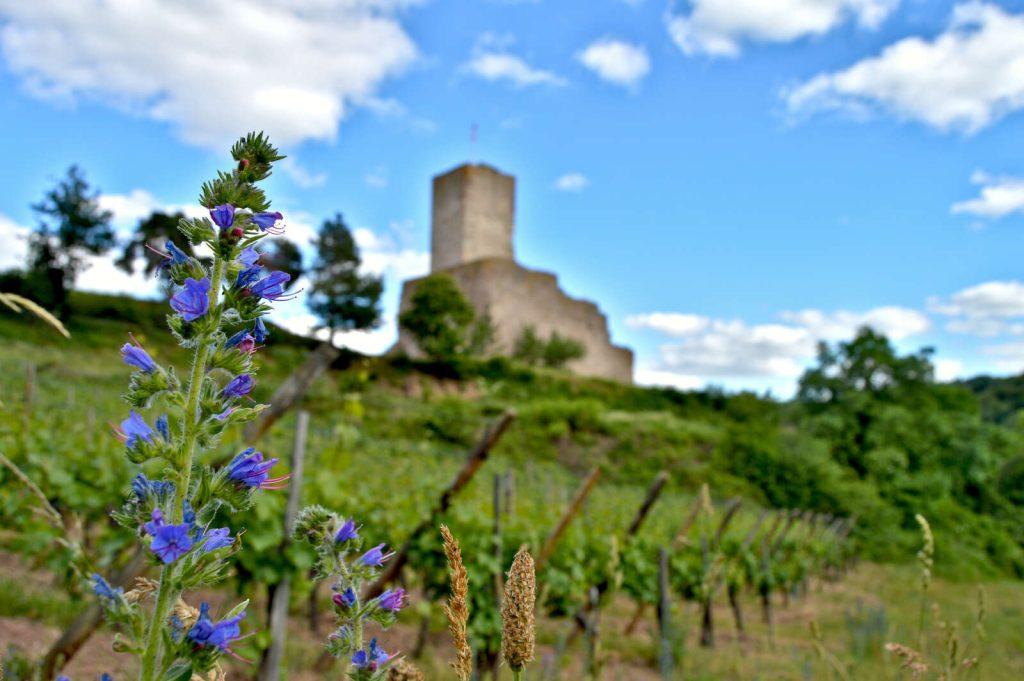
<point x="517" y="297"/>
<point x="472" y="217"/>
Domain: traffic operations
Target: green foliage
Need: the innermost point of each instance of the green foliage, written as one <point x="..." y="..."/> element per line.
<point x="439" y="318"/>
<point x="555" y="352"/>
<point x="342" y="298"/>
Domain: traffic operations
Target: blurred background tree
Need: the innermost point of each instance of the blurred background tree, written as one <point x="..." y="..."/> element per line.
<point x="72" y="226"/>
<point x="342" y="297"/>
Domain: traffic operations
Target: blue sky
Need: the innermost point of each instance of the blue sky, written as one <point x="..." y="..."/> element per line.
<point x="732" y="180"/>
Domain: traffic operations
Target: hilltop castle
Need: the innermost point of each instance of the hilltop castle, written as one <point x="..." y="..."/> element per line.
<point x="472" y="219"/>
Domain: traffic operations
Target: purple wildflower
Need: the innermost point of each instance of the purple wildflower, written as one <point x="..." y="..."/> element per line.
<point x="176" y="255"/>
<point x="239" y="386"/>
<point x="250" y="469"/>
<point x="216" y="539"/>
<point x="259" y="331"/>
<point x="170" y="542"/>
<point x="63" y="677"/>
<point x="133" y="429"/>
<point x="223" y="416"/>
<point x="267" y="222"/>
<point x="247" y="276"/>
<point x="375" y="557"/>
<point x="249" y="257"/>
<point x="270" y="287"/>
<point x="206" y="632"/>
<point x="223" y="215"/>
<point x="243" y="340"/>
<point x="144" y="487"/>
<point x="346" y="599"/>
<point x="102" y="588"/>
<point x="372" y="659"/>
<point x="134" y="355"/>
<point x="392" y="600"/>
<point x="162" y="427"/>
<point x="193" y="301"/>
<point x="347" y="532"/>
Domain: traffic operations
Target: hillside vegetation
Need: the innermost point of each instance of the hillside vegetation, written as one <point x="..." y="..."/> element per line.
<point x="870" y="436"/>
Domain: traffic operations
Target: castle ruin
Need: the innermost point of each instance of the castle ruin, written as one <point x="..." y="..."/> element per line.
<point x="473" y="217"/>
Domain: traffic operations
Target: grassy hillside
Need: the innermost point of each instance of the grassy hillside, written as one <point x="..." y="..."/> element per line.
<point x="926" y="450"/>
<point x="387" y="435"/>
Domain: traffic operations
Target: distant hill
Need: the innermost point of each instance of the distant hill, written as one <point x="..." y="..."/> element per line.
<point x="1000" y="399"/>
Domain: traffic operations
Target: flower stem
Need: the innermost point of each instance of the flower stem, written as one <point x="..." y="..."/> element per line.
<point x="164" y="595"/>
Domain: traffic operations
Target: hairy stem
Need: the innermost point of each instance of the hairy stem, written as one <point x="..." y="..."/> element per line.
<point x="165" y="594"/>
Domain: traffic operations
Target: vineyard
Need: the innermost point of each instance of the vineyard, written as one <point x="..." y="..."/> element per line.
<point x="642" y="567"/>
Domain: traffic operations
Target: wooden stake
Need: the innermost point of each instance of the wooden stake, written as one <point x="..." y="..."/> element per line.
<point x="570" y="513"/>
<point x="270" y="665"/>
<point x="292" y="390"/>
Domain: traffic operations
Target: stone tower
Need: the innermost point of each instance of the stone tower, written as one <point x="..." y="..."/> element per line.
<point x="472" y="216"/>
<point x="471" y="241"/>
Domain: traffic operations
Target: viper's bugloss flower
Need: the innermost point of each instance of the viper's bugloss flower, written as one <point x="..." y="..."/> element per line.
<point x="223" y="416"/>
<point x="347" y="532"/>
<point x="373" y="658"/>
<point x="135" y="355"/>
<point x="193" y="301"/>
<point x="206" y="632"/>
<point x="144" y="487"/>
<point x="249" y="257"/>
<point x="259" y="331"/>
<point x="102" y="588"/>
<point x="223" y="215"/>
<point x="267" y="222"/>
<point x="216" y="539"/>
<point x="170" y="542"/>
<point x="243" y="340"/>
<point x="133" y="429"/>
<point x="375" y="557"/>
<point x="239" y="386"/>
<point x="392" y="600"/>
<point x="176" y="255"/>
<point x="250" y="469"/>
<point x="247" y="276"/>
<point x="162" y="427"/>
<point x="346" y="599"/>
<point x="270" y="287"/>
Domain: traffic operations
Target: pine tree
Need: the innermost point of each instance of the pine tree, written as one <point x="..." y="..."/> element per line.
<point x="342" y="298"/>
<point x="72" y="225"/>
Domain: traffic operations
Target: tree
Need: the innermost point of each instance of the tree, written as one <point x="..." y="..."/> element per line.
<point x="440" y="318"/>
<point x="559" y="351"/>
<point x="343" y="298"/>
<point x="555" y="352"/>
<point x="72" y="225"/>
<point x="529" y="346"/>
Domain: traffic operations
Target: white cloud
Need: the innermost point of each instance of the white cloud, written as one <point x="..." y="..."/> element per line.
<point x="670" y="323"/>
<point x="964" y="79"/>
<point x="947" y="370"/>
<point x="212" y="68"/>
<point x="897" y="323"/>
<point x="998" y="197"/>
<point x="492" y="61"/>
<point x="14" y="238"/>
<point x="988" y="309"/>
<point x="300" y="175"/>
<point x="572" y="182"/>
<point x="668" y="379"/>
<point x="616" y="61"/>
<point x="130" y="208"/>
<point x="720" y="27"/>
<point x="102" y="276"/>
<point x="714" y="349"/>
